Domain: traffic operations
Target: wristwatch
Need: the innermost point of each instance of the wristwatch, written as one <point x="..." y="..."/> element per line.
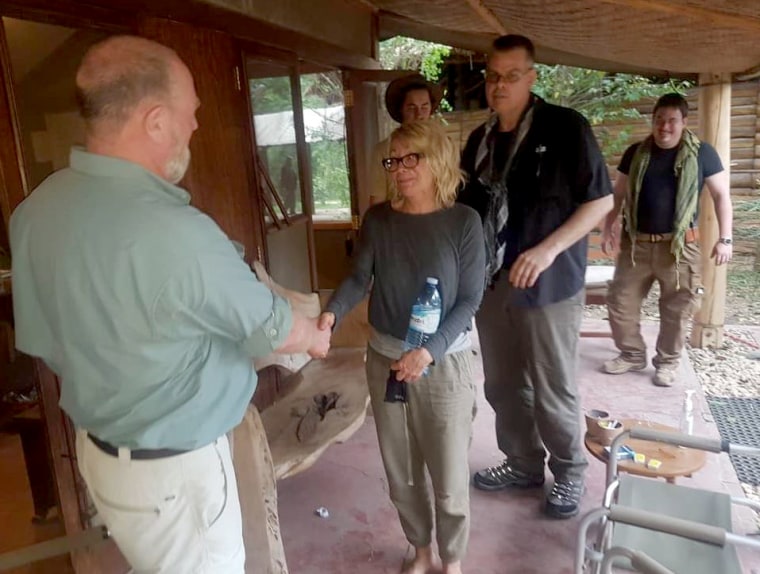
<point x="725" y="240"/>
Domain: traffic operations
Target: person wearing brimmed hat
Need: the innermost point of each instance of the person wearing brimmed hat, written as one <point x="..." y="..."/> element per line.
<point x="407" y="99"/>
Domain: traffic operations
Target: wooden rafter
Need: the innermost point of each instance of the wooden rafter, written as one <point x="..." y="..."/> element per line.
<point x="715" y="17"/>
<point x="485" y="14"/>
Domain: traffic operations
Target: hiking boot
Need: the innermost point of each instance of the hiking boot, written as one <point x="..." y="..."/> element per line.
<point x="665" y="376"/>
<point x="621" y="364"/>
<point x="504" y="476"/>
<point x="564" y="501"/>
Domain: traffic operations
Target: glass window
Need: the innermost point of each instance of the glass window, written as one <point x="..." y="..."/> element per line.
<point x="325" y="127"/>
<point x="272" y="104"/>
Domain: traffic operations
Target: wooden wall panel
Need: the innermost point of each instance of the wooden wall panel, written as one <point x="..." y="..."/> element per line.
<point x="12" y="183"/>
<point x="220" y="177"/>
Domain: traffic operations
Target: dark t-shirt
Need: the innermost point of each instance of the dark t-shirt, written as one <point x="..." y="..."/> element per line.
<point x="557" y="169"/>
<point x="657" y="200"/>
<point x="500" y="149"/>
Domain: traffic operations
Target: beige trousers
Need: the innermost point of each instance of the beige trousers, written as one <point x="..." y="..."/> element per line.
<point x="174" y="515"/>
<point x="431" y="430"/>
<point x="680" y="290"/>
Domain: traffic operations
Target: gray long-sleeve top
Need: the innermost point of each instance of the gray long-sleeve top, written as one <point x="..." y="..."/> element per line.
<point x="398" y="251"/>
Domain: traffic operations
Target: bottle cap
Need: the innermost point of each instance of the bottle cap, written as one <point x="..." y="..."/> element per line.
<point x="432" y="280"/>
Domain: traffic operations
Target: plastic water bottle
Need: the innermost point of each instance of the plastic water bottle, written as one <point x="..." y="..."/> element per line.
<point x="687" y="416"/>
<point x="425" y="317"/>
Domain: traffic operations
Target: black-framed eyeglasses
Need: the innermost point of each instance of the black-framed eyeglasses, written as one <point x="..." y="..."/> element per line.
<point x="510" y="77"/>
<point x="409" y="161"/>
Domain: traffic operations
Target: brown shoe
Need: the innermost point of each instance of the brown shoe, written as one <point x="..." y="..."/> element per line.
<point x="621" y="364"/>
<point x="665" y="376"/>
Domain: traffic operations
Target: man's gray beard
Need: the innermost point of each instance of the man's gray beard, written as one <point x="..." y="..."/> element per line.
<point x="177" y="167"/>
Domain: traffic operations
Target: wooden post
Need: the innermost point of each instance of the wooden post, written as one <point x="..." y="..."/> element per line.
<point x="714" y="128"/>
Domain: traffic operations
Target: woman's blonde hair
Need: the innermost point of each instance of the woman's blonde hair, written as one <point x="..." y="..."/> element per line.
<point x="428" y="137"/>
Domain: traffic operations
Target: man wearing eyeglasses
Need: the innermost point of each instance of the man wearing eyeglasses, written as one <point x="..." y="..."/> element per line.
<point x="538" y="180"/>
<point x="657" y="189"/>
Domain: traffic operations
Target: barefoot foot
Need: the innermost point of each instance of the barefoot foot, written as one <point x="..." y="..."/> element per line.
<point x="424" y="562"/>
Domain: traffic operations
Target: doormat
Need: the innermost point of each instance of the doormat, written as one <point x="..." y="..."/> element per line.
<point x="738" y="421"/>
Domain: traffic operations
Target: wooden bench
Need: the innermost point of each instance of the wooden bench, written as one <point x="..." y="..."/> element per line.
<point x="323" y="402"/>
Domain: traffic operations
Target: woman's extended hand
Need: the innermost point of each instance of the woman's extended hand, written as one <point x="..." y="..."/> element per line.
<point x="411" y="364"/>
<point x="326" y="320"/>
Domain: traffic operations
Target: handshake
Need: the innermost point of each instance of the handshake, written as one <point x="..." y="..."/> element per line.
<point x="309" y="335"/>
<point x="409" y="367"/>
<point x="311" y="331"/>
<point x="320" y="335"/>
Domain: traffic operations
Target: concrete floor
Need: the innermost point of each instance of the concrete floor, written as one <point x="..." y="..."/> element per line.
<point x="509" y="532"/>
<point x="362" y="535"/>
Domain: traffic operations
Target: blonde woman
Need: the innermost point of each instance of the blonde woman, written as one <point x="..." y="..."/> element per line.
<point x="421" y="233"/>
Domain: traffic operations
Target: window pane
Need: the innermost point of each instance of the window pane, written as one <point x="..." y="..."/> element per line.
<point x="325" y="126"/>
<point x="272" y="104"/>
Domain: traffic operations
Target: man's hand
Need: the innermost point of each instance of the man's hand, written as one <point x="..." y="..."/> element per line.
<point x="722" y="253"/>
<point x="529" y="265"/>
<point x="411" y="364"/>
<point x="611" y="237"/>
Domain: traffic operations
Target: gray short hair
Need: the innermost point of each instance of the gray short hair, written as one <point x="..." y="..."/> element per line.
<point x="118" y="73"/>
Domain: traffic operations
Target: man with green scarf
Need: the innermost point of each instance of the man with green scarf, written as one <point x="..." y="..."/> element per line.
<point x="658" y="185"/>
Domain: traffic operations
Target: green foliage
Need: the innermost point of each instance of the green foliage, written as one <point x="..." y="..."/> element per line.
<point x="428" y="58"/>
<point x="328" y="156"/>
<point x="400" y="53"/>
<point x="329" y="175"/>
<point x="329" y="163"/>
<point x="270" y="95"/>
<point x="601" y="97"/>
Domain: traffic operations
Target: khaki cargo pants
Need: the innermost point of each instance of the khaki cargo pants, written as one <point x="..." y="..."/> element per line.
<point x="680" y="291"/>
<point x="432" y="430"/>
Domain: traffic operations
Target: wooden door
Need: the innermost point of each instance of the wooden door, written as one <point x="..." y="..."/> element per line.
<point x="283" y="169"/>
<point x="221" y="177"/>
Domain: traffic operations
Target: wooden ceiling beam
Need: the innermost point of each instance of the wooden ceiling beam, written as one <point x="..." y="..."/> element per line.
<point x="487" y="15"/>
<point x="714" y="17"/>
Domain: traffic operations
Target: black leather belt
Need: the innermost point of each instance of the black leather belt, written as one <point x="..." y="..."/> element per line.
<point x="138" y="454"/>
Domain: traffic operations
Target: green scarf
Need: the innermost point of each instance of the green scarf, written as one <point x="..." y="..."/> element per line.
<point x="686" y="170"/>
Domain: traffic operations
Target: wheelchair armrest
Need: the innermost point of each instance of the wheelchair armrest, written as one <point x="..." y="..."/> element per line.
<point x="679" y="439"/>
<point x="668" y="524"/>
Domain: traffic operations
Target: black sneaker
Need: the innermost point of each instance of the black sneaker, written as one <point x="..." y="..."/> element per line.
<point x="564" y="501"/>
<point x="504" y="476"/>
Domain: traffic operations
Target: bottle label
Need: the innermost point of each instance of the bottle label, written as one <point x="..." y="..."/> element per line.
<point x="425" y="320"/>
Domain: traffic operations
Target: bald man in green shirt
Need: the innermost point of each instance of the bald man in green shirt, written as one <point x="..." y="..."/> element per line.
<point x="145" y="311"/>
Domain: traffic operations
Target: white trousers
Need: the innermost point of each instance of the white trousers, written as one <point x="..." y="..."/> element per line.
<point x="174" y="515"/>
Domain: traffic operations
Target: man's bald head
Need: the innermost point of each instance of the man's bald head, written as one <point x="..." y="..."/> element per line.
<point x="119" y="73"/>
